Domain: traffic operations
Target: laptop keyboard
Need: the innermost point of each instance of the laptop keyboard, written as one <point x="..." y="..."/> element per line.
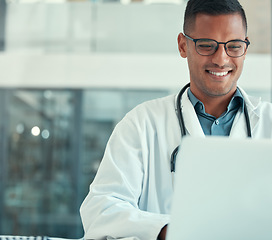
<point x="22" y="238"/>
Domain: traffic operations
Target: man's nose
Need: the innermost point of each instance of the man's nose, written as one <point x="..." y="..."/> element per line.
<point x="220" y="57"/>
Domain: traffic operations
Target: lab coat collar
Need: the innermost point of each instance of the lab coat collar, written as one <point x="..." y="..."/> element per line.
<point x="239" y="129"/>
<point x="192" y="123"/>
<point x="252" y="104"/>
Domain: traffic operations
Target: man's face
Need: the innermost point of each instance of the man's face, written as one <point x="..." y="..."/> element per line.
<point x="215" y="75"/>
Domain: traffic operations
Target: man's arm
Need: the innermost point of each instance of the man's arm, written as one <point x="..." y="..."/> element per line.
<point x="162" y="234"/>
<point x="112" y="205"/>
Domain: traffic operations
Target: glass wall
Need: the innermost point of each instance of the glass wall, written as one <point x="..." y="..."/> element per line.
<point x="54" y="141"/>
<point x="41" y="173"/>
<point x="70" y="70"/>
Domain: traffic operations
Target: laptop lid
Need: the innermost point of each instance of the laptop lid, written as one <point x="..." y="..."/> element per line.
<point x="222" y="190"/>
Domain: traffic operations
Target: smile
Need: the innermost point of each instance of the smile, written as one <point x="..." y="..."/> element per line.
<point x="218" y="74"/>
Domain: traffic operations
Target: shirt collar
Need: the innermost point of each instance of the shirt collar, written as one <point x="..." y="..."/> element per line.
<point x="236" y="101"/>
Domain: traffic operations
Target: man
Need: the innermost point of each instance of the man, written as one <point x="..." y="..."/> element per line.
<point x="131" y="194"/>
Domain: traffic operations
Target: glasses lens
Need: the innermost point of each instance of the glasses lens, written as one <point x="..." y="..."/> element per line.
<point x="206" y="47"/>
<point x="236" y="48"/>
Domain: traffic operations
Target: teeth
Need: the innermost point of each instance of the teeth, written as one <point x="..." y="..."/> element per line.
<point x="218" y="74"/>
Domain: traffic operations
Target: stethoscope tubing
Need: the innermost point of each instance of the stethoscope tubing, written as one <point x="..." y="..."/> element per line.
<point x="183" y="129"/>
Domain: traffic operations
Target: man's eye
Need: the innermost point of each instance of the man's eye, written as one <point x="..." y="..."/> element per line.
<point x="234" y="47"/>
<point x="205" y="46"/>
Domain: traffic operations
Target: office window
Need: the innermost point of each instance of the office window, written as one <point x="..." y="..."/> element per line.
<point x="52" y="143"/>
<point x="40" y="169"/>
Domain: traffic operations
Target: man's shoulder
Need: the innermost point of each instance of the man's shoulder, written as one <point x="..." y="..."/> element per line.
<point x="153" y="109"/>
<point x="158" y="104"/>
<point x="259" y="107"/>
<point x="254" y="102"/>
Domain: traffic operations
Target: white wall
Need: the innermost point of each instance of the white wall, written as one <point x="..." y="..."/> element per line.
<point x="84" y="45"/>
<point x="167" y="71"/>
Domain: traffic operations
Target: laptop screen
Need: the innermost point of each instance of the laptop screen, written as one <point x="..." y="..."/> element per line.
<point x="223" y="190"/>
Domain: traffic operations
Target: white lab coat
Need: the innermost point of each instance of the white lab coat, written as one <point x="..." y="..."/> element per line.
<point x="132" y="191"/>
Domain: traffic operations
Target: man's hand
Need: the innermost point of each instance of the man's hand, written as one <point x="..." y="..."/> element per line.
<point x="162" y="234"/>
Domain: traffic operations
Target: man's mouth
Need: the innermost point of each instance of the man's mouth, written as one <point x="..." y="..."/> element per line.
<point x="219" y="74"/>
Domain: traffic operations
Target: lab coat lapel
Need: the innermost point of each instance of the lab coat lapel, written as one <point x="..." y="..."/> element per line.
<point x="239" y="128"/>
<point x="192" y="124"/>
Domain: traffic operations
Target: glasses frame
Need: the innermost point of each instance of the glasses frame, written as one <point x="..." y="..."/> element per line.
<point x="195" y="40"/>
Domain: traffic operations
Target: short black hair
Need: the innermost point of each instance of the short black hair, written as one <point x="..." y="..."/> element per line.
<point x="211" y="7"/>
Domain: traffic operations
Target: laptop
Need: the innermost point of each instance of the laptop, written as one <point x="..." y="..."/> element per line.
<point x="222" y="190"/>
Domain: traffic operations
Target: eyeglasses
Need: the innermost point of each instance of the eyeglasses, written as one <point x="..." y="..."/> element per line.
<point x="207" y="47"/>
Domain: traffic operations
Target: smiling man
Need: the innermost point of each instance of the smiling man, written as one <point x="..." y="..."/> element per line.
<point x="132" y="191"/>
<point x="215" y="46"/>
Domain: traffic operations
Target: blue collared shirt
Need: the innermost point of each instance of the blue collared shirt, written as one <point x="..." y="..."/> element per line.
<point x="217" y="126"/>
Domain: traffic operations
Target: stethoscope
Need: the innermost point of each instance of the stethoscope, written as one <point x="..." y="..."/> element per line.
<point x="182" y="125"/>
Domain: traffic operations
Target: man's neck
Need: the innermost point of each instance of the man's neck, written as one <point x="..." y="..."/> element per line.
<point x="216" y="106"/>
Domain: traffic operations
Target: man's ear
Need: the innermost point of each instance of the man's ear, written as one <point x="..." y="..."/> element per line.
<point x="182" y="45"/>
<point x="247" y="39"/>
